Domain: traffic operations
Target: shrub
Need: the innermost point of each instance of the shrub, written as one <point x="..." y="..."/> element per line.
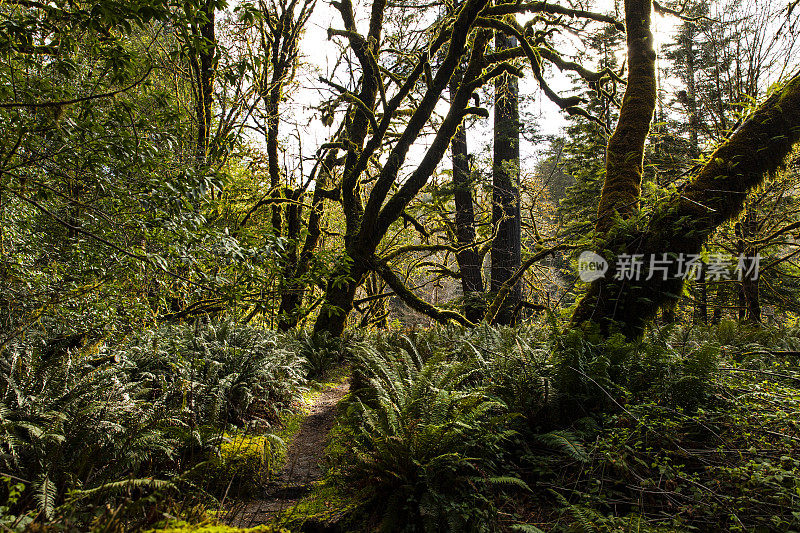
<point x="320" y="352"/>
<point x="217" y="374"/>
<point x="67" y="423"/>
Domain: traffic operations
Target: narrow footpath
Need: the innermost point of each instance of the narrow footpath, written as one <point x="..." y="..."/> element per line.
<point x="303" y="463"/>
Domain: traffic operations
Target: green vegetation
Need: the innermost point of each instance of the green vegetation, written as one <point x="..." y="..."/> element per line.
<point x="185" y="408"/>
<point x="445" y="429"/>
<point x="684" y="430"/>
<point x="469" y="266"/>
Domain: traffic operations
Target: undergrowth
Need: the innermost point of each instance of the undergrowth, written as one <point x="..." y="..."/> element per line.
<point x="537" y="430"/>
<point x="188" y="413"/>
<point x="446" y="429"/>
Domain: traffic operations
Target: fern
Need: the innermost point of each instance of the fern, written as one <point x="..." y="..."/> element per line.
<point x="526" y="528"/>
<point x="116" y="488"/>
<point x="100" y="430"/>
<point x="565" y="443"/>
<point x="509" y="481"/>
<point x="46" y="495"/>
<point x="422" y="433"/>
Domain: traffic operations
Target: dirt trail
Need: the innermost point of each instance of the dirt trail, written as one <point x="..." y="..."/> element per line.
<point x="303" y="463"/>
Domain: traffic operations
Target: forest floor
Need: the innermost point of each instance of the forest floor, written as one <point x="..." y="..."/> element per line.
<point x="303" y="469"/>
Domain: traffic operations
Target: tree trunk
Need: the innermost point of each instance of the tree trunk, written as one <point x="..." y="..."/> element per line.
<point x="750" y="290"/>
<point x="291" y="287"/>
<point x="682" y="224"/>
<point x="701" y="307"/>
<point x="469" y="260"/>
<point x="273" y="164"/>
<point x="205" y="65"/>
<point x="339" y="294"/>
<point x="625" y="154"/>
<point x="506" y="219"/>
<point x="687" y="38"/>
<point x="746" y="230"/>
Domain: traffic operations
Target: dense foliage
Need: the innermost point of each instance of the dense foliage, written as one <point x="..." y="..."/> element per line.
<point x="213" y="214"/>
<point x="80" y="429"/>
<point x="689" y="429"/>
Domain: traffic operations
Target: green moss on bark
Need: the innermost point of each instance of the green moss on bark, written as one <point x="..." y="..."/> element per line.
<point x="683" y="223"/>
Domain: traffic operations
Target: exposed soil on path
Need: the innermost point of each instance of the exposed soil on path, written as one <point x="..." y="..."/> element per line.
<point x="303" y="463"/>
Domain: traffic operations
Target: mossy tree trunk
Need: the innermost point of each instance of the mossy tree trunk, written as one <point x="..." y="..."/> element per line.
<point x="368" y="223"/>
<point x="625" y="153"/>
<point x="683" y="223"/>
<point x="506" y="250"/>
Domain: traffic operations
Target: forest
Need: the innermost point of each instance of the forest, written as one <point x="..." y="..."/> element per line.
<point x="399" y="265"/>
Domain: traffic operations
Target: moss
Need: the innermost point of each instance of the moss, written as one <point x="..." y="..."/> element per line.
<point x="683" y="223"/>
<point x="625" y="154"/>
<point x="180" y="526"/>
<point x="324" y="506"/>
<point x="244" y="463"/>
<point x="332" y="379"/>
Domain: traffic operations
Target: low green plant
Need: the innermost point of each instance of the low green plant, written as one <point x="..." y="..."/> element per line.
<point x="13" y="492"/>
<point x="243" y="464"/>
<point x="321" y="353"/>
<point x="216" y="374"/>
<point x="425" y="447"/>
<point x="67" y="423"/>
<point x="98" y="430"/>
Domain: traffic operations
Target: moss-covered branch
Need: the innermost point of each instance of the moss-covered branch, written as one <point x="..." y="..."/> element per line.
<point x="680" y="225"/>
<point x="413" y="301"/>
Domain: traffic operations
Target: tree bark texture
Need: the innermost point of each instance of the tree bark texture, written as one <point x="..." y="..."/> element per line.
<point x="625" y="154"/>
<point x="506" y="250"/>
<point x="468" y="258"/>
<point x="683" y="223"/>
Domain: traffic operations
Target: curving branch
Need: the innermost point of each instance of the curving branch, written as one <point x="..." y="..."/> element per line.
<point x="412" y="300"/>
<point x="553" y="9"/>
<point x="570" y="104"/>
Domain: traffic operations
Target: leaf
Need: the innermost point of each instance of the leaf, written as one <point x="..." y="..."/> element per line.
<point x="526" y="528"/>
<point x="509" y="481"/>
